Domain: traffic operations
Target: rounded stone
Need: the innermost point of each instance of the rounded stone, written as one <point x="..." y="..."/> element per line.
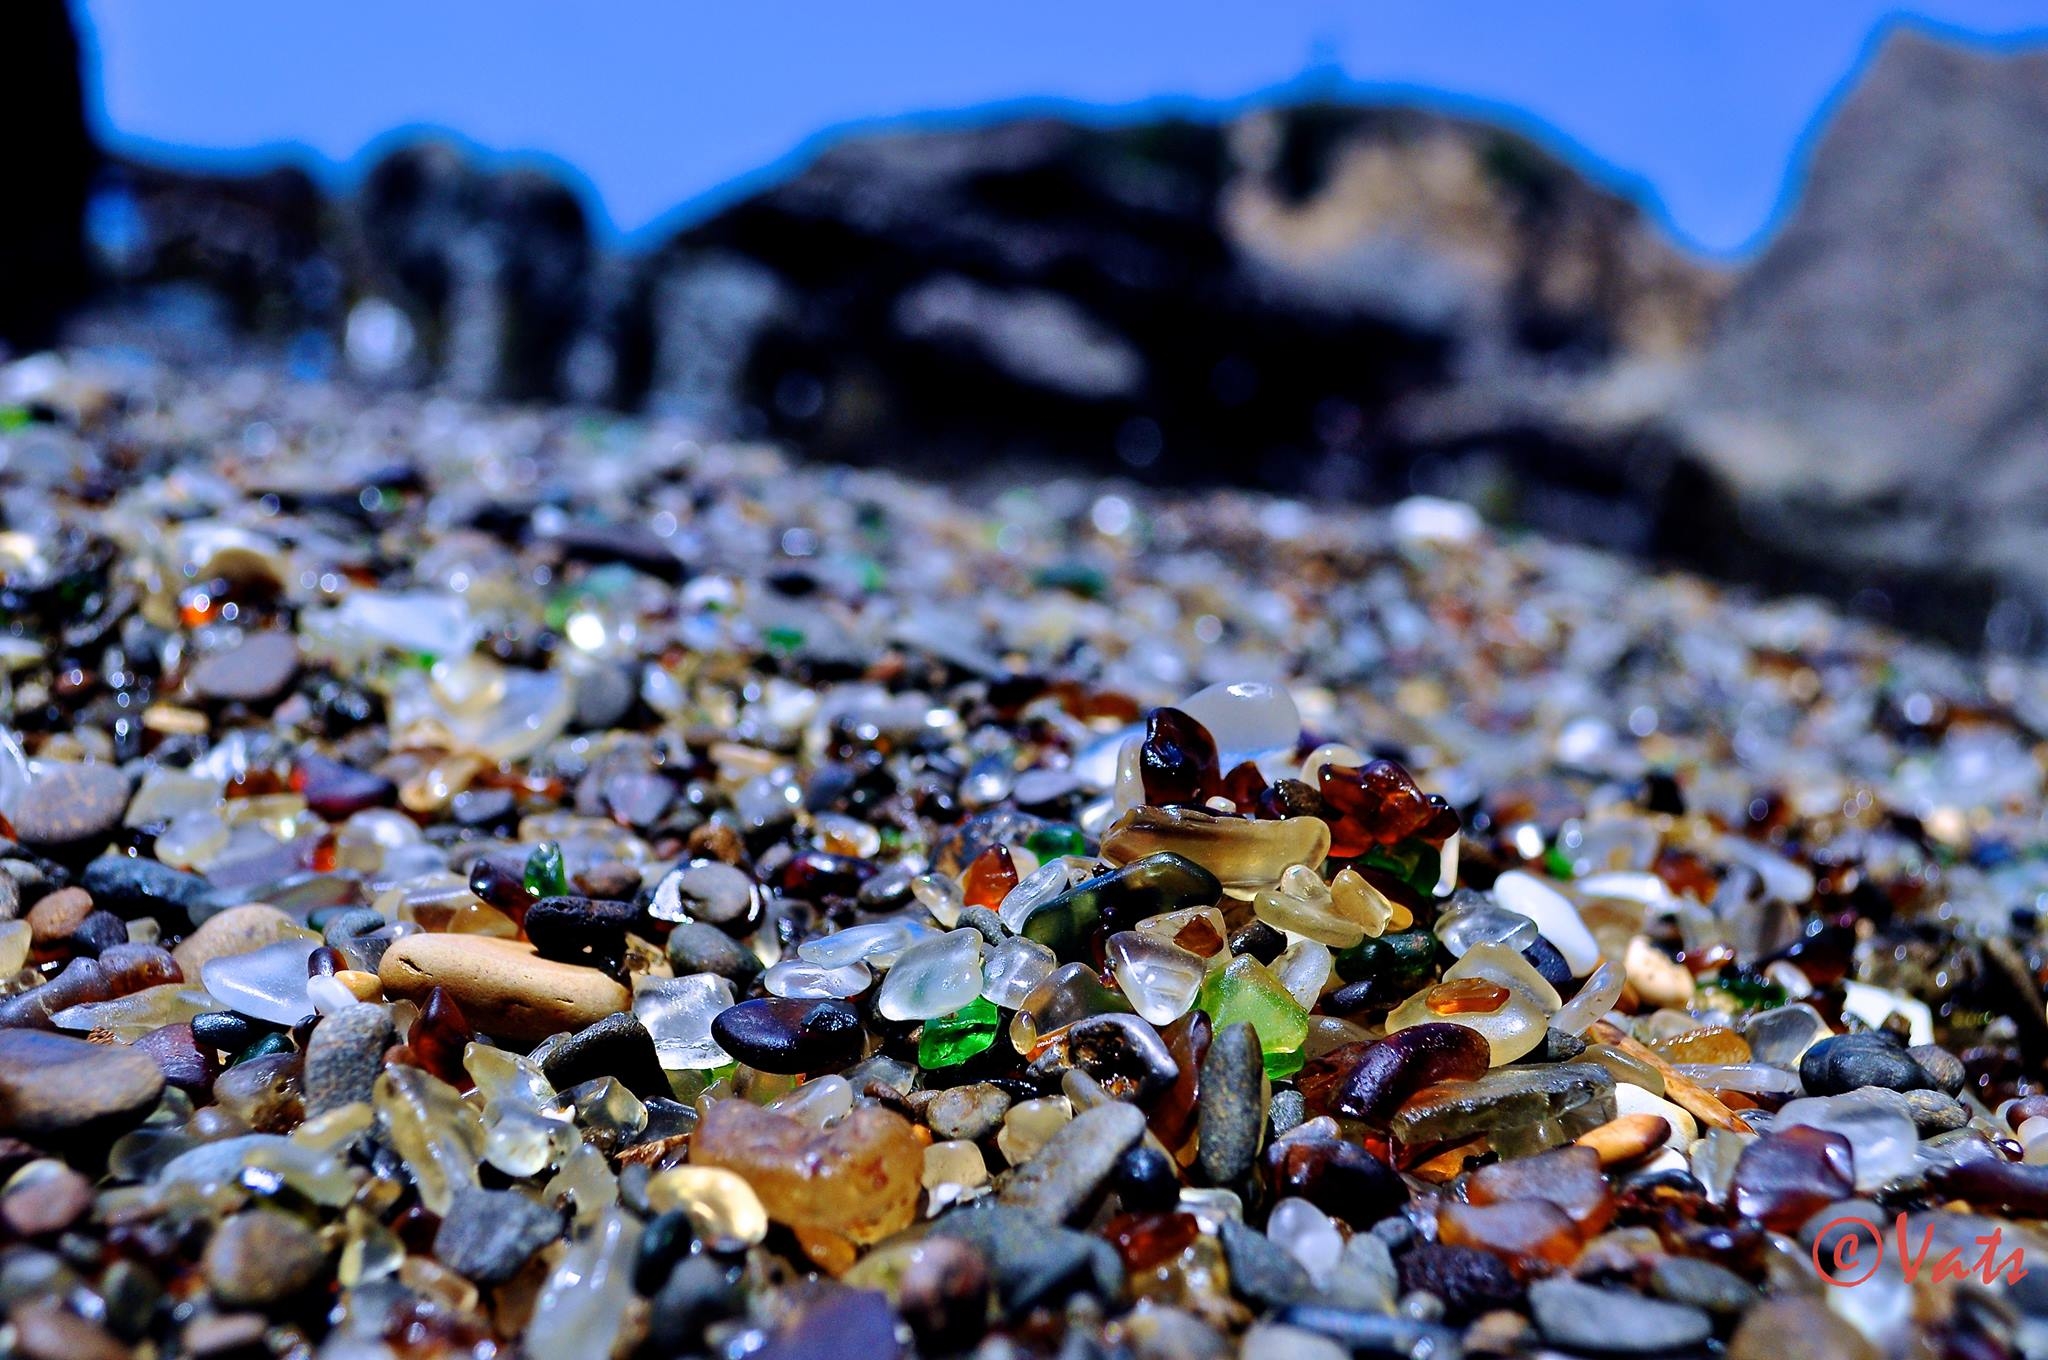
<point x="46" y="1330"/>
<point x="1231" y="1106"/>
<point x="58" y="916"/>
<point x="1582" y="1317"/>
<point x="694" y="947"/>
<point x="261" y="1256"/>
<point x="238" y="930"/>
<point x="344" y="1056"/>
<point x="502" y="986"/>
<point x="1942" y="1067"/>
<point x="489" y="1234"/>
<point x="1468" y="1281"/>
<point x="788" y="1037"/>
<point x="143" y="887"/>
<point x="52" y="1084"/>
<point x="259" y="668"/>
<point x="710" y="891"/>
<point x="1848" y="1062"/>
<point x="968" y="1112"/>
<point x="71" y="805"/>
<point x="1062" y="1178"/>
<point x="943" y="1293"/>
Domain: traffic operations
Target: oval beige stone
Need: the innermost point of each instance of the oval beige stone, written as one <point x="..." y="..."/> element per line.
<point x="503" y="987"/>
<point x="238" y="930"/>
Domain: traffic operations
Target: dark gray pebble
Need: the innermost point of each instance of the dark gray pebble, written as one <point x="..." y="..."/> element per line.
<point x="1582" y="1317"/>
<point x="1034" y="1262"/>
<point x="1702" y="1284"/>
<point x="344" y="1056"/>
<point x="1231" y="1105"/>
<point x="616" y="1046"/>
<point x="489" y="1234"/>
<point x="1064" y="1176"/>
<point x="694" y="947"/>
<point x="1262" y="1272"/>
<point x="1848" y="1062"/>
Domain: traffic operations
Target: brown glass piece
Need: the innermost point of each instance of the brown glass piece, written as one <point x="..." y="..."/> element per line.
<point x="1568" y="1177"/>
<point x="1784" y="1177"/>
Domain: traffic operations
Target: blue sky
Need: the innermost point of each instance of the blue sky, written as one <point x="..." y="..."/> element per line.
<point x="1701" y="106"/>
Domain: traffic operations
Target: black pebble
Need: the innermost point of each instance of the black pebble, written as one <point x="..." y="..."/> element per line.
<point x="1146" y="1181"/>
<point x="616" y="1046"/>
<point x="580" y="930"/>
<point x="788" y="1037"/>
<point x="1259" y="940"/>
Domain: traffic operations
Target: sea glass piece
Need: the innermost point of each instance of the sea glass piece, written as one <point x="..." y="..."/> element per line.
<point x="265" y="984"/>
<point x="858" y="1179"/>
<point x="1246" y="991"/>
<point x="1241" y="854"/>
<point x="1014" y="970"/>
<point x="877" y="943"/>
<point x="678" y="1013"/>
<point x="1246" y="719"/>
<point x="439" y="1137"/>
<point x="1069" y="993"/>
<point x="1567" y="1177"/>
<point x="1556" y="918"/>
<point x="803" y="980"/>
<point x="949" y="1040"/>
<point x="1160" y="980"/>
<point x="1068" y="923"/>
<point x="583" y="1307"/>
<point x="1200" y="931"/>
<point x="933" y="977"/>
<point x="1300" y="904"/>
<point x="1521" y="1109"/>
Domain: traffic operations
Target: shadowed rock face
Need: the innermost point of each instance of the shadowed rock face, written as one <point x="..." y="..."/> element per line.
<point x="1877" y="391"/>
<point x="49" y="170"/>
<point x="1249" y="303"/>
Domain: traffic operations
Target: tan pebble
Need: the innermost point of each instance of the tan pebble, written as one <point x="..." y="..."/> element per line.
<point x="502" y="986"/>
<point x="1627" y="1139"/>
<point x="57" y="916"/>
<point x="237" y="930"/>
<point x="173" y="721"/>
<point x="1658" y="979"/>
<point x="362" y="986"/>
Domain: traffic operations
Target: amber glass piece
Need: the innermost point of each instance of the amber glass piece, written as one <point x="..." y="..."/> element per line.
<point x="1376" y="803"/>
<point x="859" y="1179"/>
<point x="1148" y="1240"/>
<point x="1178" y="760"/>
<point x="989" y="878"/>
<point x="1527" y="1233"/>
<point x="438" y="1037"/>
<point x="1783" y="1178"/>
<point x="1711" y="1044"/>
<point x="1172" y="1119"/>
<point x="1467" y="996"/>
<point x="1246" y="787"/>
<point x="1568" y="1177"/>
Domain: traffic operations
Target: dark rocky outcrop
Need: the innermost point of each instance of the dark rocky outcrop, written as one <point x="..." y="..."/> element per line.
<point x="49" y="171"/>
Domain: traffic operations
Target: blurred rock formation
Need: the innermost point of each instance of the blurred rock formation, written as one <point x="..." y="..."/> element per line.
<point x="1321" y="298"/>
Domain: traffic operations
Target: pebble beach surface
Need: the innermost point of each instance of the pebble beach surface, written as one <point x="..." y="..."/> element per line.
<point x="511" y="882"/>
